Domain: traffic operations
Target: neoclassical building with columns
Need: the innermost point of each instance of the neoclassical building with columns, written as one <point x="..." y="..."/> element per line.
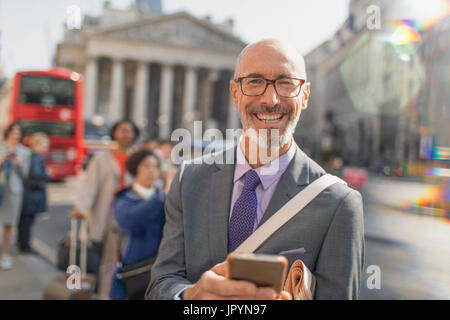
<point x="163" y="71"/>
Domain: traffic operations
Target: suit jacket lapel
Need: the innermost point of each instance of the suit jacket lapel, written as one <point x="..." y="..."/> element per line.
<point x="219" y="208"/>
<point x="292" y="181"/>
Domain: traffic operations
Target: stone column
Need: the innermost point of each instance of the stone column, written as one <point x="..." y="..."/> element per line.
<point x="189" y="97"/>
<point x="91" y="86"/>
<point x="206" y="97"/>
<point x="116" y="93"/>
<point x="140" y="94"/>
<point x="165" y="104"/>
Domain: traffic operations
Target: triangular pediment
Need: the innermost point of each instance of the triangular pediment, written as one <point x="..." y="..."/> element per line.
<point x="180" y="29"/>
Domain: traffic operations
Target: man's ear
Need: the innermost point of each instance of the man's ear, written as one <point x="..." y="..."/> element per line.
<point x="305" y="92"/>
<point x="234" y="90"/>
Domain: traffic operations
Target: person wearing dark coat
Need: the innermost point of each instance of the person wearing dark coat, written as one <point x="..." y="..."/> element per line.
<point x="139" y="213"/>
<point x="35" y="195"/>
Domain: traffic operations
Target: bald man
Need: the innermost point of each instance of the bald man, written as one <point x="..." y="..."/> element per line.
<point x="214" y="206"/>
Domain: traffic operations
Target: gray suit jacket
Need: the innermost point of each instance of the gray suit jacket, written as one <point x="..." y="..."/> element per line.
<point x="330" y="229"/>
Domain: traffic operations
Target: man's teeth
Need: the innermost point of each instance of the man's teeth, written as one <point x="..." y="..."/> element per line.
<point x="269" y="117"/>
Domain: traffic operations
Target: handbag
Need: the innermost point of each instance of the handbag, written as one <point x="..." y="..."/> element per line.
<point x="58" y="289"/>
<point x="93" y="254"/>
<point x="136" y="277"/>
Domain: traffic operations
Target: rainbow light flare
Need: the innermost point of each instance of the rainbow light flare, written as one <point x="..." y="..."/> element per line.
<point x="407" y="30"/>
<point x="441" y="153"/>
<point x="438" y="172"/>
<point x="404" y="34"/>
<point x="432" y="21"/>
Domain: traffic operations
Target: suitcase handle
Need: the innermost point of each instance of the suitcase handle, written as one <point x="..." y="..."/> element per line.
<point x="82" y="236"/>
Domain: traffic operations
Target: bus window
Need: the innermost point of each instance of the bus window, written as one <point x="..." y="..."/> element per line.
<point x="47" y="91"/>
<point x="61" y="129"/>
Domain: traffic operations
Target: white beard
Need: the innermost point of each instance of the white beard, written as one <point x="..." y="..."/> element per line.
<point x="276" y="141"/>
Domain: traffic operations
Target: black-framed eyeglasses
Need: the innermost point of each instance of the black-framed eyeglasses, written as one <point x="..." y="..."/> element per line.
<point x="284" y="87"/>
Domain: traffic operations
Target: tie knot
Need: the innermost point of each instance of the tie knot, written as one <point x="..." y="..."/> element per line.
<point x="251" y="180"/>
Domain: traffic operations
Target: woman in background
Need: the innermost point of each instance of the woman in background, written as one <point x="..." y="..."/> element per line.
<point x="104" y="176"/>
<point x="35" y="196"/>
<point x="14" y="167"/>
<point x="139" y="213"/>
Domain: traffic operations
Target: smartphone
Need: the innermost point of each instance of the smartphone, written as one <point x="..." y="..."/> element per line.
<point x="264" y="270"/>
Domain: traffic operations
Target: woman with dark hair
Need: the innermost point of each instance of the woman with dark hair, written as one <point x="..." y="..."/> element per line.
<point x="14" y="167"/>
<point x="139" y="213"/>
<point x="104" y="176"/>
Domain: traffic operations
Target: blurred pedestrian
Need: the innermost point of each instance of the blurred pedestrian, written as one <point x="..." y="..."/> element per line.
<point x="150" y="145"/>
<point x="14" y="167"/>
<point x="168" y="167"/>
<point x="104" y="176"/>
<point x="164" y="152"/>
<point x="35" y="196"/>
<point x="139" y="212"/>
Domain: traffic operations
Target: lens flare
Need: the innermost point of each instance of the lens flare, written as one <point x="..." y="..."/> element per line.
<point x="407" y="30"/>
<point x="403" y="34"/>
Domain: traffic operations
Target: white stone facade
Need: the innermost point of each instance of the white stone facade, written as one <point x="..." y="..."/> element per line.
<point x="162" y="71"/>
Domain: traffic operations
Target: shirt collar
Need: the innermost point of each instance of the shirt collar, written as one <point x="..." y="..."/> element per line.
<point x="270" y="172"/>
<point x="143" y="192"/>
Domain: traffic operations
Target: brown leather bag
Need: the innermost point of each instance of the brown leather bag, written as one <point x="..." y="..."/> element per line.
<point x="300" y="282"/>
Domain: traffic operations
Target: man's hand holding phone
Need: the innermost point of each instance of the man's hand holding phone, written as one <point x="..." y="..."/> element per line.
<point x="214" y="285"/>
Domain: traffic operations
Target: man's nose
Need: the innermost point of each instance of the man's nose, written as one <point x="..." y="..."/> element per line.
<point x="270" y="96"/>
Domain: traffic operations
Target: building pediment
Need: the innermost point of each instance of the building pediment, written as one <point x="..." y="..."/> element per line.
<point x="180" y="29"/>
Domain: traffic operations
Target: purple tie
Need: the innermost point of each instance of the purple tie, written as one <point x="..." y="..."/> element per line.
<point x="244" y="212"/>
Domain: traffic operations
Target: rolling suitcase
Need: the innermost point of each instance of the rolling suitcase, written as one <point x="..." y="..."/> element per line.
<point x="75" y="285"/>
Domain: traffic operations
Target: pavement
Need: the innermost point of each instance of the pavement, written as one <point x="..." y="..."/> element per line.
<point x="27" y="280"/>
<point x="413" y="251"/>
<point x="31" y="272"/>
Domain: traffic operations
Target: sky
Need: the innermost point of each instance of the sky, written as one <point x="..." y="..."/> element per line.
<point x="30" y="29"/>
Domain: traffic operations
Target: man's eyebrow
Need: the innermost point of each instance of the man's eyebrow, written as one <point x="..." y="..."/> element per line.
<point x="284" y="75"/>
<point x="257" y="75"/>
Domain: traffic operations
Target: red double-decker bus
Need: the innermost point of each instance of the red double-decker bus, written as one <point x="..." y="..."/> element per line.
<point x="51" y="101"/>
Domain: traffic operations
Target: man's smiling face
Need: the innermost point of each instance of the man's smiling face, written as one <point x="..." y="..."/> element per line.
<point x="271" y="60"/>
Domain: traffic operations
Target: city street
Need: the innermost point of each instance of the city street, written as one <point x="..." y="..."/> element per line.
<point x="54" y="225"/>
<point x="26" y="281"/>
<point x="412" y="251"/>
<point x="363" y="90"/>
